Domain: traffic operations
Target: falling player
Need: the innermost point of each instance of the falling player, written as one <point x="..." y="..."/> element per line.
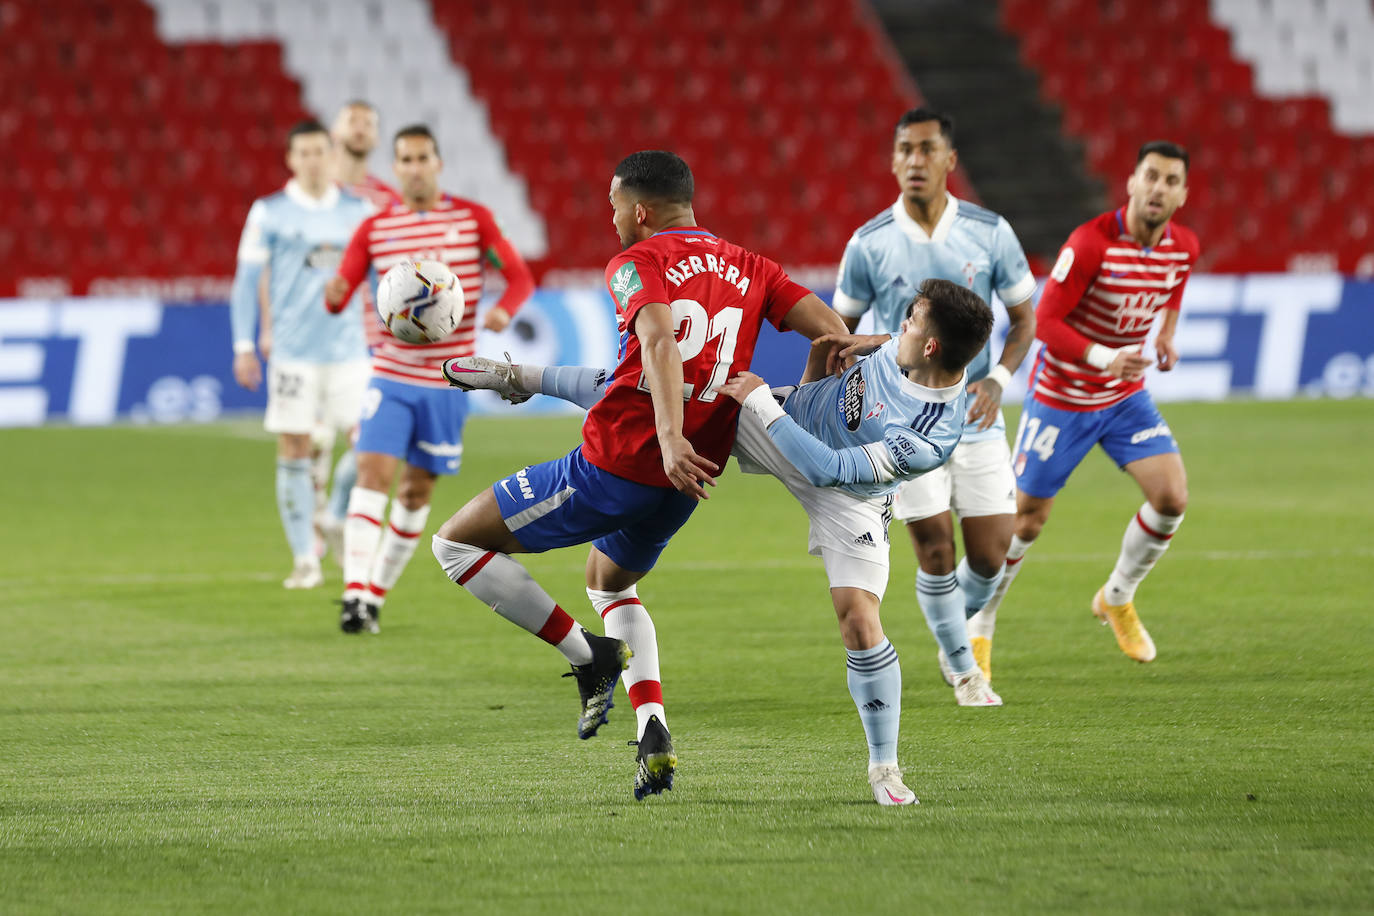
<point x="929" y="232"/>
<point x="318" y="364"/>
<point x="410" y="422"/>
<point x="651" y="444"/>
<point x="1113" y="278"/>
<point x="841" y="444"/>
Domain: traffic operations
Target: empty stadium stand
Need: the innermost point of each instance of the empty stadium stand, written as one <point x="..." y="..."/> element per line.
<point x="1274" y="184"/>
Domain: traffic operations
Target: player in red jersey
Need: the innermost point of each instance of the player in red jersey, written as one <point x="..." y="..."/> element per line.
<point x="1114" y="277"/>
<point x="409" y="417"/>
<point x="355" y="137"/>
<point x="690" y="307"/>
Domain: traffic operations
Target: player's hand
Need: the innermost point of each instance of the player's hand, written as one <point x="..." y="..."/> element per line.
<point x="740" y="386"/>
<point x="845" y="347"/>
<point x="496" y="319"/>
<point x="265" y="342"/>
<point x="686" y="470"/>
<point x="335" y="289"/>
<point x="1166" y="354"/>
<point x="1129" y="366"/>
<point x="987" y="400"/>
<point x="247" y="370"/>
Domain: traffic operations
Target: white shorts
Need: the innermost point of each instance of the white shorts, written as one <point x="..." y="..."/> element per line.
<point x="976" y="481"/>
<point x="848" y="532"/>
<point x="302" y="397"/>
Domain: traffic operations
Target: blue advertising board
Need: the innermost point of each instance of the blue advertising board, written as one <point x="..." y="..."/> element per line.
<point x="95" y="361"/>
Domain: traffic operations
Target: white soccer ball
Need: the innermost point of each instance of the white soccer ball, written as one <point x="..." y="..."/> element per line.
<point x="420" y="301"/>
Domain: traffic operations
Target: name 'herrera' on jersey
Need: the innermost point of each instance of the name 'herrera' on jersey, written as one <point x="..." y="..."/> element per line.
<point x="690" y="266"/>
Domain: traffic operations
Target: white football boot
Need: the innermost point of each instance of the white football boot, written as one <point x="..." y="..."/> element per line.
<point x="972" y="689"/>
<point x="946" y="671"/>
<point x="474" y="373"/>
<point x="305" y="574"/>
<point x="888" y="788"/>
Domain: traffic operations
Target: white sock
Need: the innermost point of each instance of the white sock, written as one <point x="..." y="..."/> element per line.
<point x="504" y="585"/>
<point x="983" y="623"/>
<point x="362" y="532"/>
<point x="625" y="618"/>
<point x="398" y="542"/>
<point x="1147" y="537"/>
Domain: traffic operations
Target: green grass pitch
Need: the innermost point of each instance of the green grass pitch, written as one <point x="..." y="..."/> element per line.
<point x="179" y="734"/>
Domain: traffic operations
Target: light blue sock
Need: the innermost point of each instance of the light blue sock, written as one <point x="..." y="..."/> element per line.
<point x="296" y="504"/>
<point x="977" y="590"/>
<point x="875" y="683"/>
<point x="579" y="384"/>
<point x="942" y="601"/>
<point x="345" y="476"/>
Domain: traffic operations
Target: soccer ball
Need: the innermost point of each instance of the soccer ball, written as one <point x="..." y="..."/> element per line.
<point x="420" y="301"/>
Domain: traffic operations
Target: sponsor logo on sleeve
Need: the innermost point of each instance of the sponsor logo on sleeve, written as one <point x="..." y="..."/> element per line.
<point x="625" y="283"/>
<point x="1063" y="265"/>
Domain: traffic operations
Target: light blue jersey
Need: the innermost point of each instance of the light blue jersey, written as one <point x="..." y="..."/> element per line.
<point x="871" y="428"/>
<point x="300" y="239"/>
<point x="889" y="256"/>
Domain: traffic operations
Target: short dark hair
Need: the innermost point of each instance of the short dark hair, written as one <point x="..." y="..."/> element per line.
<point x="923" y="114"/>
<point x="415" y="130"/>
<point x="657" y="175"/>
<point x="305" y="128"/>
<point x="1166" y="148"/>
<point x="962" y="321"/>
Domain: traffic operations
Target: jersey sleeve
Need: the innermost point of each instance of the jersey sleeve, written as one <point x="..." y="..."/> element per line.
<point x="501" y="254"/>
<point x="253" y="254"/>
<point x="854" y="286"/>
<point x="356" y="261"/>
<point x="1073" y="273"/>
<point x="1011" y="274"/>
<point x="634" y="281"/>
<point x="1194" y="249"/>
<point x="783" y="294"/>
<point x="902" y="453"/>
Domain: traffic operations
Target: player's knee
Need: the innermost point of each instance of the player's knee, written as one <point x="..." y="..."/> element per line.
<point x="986" y="564"/>
<point x="1029" y="526"/>
<point x="936" y="559"/>
<point x="1171" y="501"/>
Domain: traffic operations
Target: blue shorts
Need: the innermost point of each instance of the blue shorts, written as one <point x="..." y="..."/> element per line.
<point x="1050" y="443"/>
<point x="424" y="426"/>
<point x="571" y="501"/>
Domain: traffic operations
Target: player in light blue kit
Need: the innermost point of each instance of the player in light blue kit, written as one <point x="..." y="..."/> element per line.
<point x="318" y="369"/>
<point x="930" y="233"/>
<point x="840" y="445"/>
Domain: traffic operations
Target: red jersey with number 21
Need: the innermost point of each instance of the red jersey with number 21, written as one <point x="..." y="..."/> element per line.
<point x="720" y="294"/>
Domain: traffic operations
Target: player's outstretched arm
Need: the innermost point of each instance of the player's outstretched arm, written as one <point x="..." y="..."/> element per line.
<point x="841" y="349"/>
<point x="902" y="453"/>
<point x="662" y="361"/>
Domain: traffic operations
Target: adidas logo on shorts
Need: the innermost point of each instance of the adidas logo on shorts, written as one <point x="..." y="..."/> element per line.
<point x="865" y="540"/>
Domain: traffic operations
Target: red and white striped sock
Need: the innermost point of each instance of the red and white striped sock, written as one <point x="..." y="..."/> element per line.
<point x="625" y="618"/>
<point x="398" y="543"/>
<point x="362" y="532"/>
<point x="983" y="623"/>
<point x="503" y="585"/>
<point x="1147" y="537"/>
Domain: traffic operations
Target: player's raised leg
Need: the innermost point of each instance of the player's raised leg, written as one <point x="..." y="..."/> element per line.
<point x="517" y="382"/>
<point x="474" y="548"/>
